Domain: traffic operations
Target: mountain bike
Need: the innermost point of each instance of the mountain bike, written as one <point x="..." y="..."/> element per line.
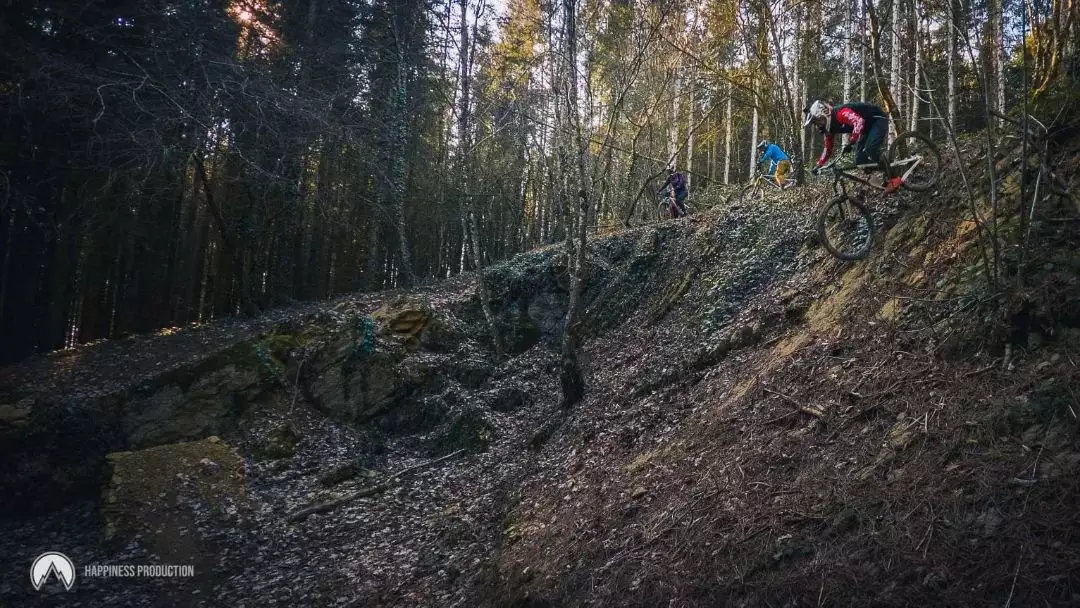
<point x="844" y="223"/>
<point x="667" y="201"/>
<point x="761" y="185"/>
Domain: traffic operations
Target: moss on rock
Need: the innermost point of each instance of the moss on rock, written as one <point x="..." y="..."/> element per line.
<point x="161" y="493"/>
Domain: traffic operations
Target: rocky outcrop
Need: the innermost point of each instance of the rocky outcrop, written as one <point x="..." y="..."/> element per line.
<point x="163" y="495"/>
<point x="209" y="406"/>
<point x="57" y="446"/>
<point x="406" y="379"/>
<point x="416" y="364"/>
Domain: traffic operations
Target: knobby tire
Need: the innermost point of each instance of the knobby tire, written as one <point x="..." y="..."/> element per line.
<point x="823" y="216"/>
<point x="663" y="211"/>
<point x="929" y="171"/>
<point x="751" y="193"/>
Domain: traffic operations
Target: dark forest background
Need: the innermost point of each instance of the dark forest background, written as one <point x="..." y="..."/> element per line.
<point x="163" y="163"/>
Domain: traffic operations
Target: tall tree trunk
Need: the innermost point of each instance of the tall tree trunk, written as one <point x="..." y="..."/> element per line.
<point x="754" y="139"/>
<point x="799" y="76"/>
<point x="950" y="32"/>
<point x="481" y="280"/>
<point x="896" y="54"/>
<point x="804" y="133"/>
<point x="673" y="124"/>
<point x="849" y="32"/>
<point x="470" y="226"/>
<point x="997" y="49"/>
<point x="691" y="134"/>
<point x="464" y="83"/>
<point x="400" y="165"/>
<point x="710" y="159"/>
<point x="875" y="49"/>
<point x="913" y="108"/>
<point x="863" y="42"/>
<point x="571" y="378"/>
<point x="727" y="137"/>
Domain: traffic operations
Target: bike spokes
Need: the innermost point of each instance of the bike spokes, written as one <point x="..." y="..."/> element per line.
<point x="846" y="228"/>
<point x="760" y="189"/>
<point x="915" y="160"/>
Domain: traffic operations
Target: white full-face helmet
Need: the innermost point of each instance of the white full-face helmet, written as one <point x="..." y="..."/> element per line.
<point x="818" y="110"/>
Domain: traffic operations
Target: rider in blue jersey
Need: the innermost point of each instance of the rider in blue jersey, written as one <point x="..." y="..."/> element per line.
<point x="779" y="164"/>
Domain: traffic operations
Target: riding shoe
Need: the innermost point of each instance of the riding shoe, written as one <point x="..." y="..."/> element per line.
<point x="893" y="185"/>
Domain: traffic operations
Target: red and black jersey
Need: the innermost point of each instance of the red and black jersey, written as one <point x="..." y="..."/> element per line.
<point x="853" y="118"/>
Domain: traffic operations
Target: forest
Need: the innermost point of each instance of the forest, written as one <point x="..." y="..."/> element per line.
<point x="168" y="163"/>
<point x="379" y="303"/>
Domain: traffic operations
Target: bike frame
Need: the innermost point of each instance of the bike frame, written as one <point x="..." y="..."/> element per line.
<point x="840" y="187"/>
<point x="770" y="180"/>
<point x="668" y="200"/>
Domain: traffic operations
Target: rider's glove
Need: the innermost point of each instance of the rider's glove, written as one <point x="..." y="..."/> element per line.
<point x="816" y="171"/>
<point x="845" y="149"/>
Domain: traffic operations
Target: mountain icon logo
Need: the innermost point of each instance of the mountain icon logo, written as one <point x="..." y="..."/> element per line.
<point x="52" y="563"/>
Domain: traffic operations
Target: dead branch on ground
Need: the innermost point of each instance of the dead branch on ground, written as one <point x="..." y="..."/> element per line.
<point x="333" y="504"/>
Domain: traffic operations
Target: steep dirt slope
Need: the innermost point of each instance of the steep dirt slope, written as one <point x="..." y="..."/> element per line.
<point x="762" y="425"/>
<point x="874" y="446"/>
<point x="324" y="402"/>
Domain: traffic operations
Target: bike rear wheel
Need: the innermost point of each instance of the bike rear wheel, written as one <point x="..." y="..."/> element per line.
<point x="846" y="228"/>
<point x="916" y="159"/>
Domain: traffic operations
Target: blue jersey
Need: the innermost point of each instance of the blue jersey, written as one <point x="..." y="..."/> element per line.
<point x="774" y="154"/>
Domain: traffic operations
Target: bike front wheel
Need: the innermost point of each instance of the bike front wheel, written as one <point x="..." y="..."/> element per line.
<point x="846" y="228"/>
<point x="663" y="210"/>
<point x="753" y="193"/>
<point x="916" y="160"/>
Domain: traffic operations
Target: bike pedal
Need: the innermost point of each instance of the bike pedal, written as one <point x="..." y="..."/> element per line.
<point x="894" y="185"/>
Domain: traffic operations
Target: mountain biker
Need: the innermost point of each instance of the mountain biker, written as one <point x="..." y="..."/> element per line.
<point x="866" y="123"/>
<point x="779" y="164"/>
<point x="678" y="185"/>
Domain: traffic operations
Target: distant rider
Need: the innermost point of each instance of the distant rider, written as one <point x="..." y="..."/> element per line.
<point x="779" y="163"/>
<point x="678" y="184"/>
